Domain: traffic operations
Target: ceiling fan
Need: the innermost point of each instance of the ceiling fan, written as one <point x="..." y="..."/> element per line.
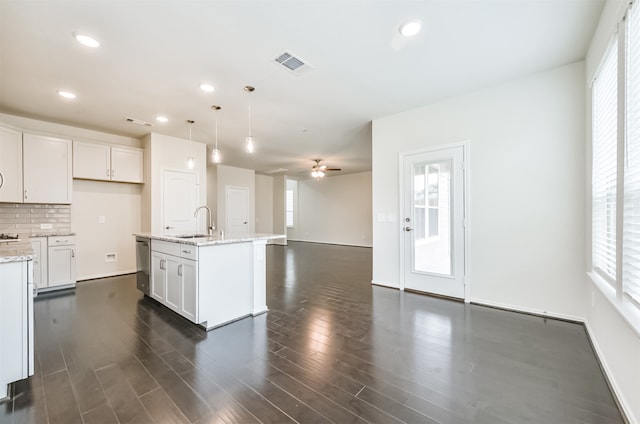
<point x="317" y="171"/>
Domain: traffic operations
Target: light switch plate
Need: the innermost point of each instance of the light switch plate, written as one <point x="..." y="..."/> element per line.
<point x="102" y="219"/>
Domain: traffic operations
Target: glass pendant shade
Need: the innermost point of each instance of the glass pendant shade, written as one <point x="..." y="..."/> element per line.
<point x="215" y="156"/>
<point x="250" y="144"/>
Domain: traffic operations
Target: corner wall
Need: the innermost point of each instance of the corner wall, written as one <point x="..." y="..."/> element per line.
<point x="336" y="210"/>
<point x="526" y="194"/>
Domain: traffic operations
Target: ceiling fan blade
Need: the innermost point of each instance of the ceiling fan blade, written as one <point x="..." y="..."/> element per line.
<point x="333" y="169"/>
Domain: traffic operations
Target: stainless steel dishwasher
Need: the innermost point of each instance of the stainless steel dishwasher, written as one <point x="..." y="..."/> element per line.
<point x="143" y="264"/>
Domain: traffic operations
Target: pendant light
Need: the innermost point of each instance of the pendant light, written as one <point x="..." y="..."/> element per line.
<point x="250" y="144"/>
<point x="190" y="161"/>
<point x="215" y="155"/>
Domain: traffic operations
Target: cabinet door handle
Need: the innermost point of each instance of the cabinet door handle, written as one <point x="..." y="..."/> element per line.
<point x="180" y="269"/>
<point x="62" y="241"/>
<point x="161" y="263"/>
<point x="25" y="194"/>
<point x="113" y="173"/>
<point x="186" y="251"/>
<point x="73" y="253"/>
<point x="1" y="180"/>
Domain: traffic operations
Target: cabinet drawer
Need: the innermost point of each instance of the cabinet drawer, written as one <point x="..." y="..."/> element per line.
<point x="186" y="251"/>
<point x="165" y="247"/>
<point x="62" y="241"/>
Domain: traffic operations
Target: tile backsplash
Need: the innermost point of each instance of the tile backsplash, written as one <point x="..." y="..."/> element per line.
<point x="25" y="219"/>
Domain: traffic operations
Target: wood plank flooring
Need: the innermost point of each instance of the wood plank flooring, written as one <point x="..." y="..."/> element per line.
<point x="331" y="349"/>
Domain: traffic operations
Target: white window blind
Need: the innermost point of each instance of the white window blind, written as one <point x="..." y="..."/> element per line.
<point x="289" y="208"/>
<point x="604" y="121"/>
<point x="631" y="202"/>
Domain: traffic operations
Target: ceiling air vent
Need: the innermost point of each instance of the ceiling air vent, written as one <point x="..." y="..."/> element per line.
<point x="138" y="122"/>
<point x="293" y="63"/>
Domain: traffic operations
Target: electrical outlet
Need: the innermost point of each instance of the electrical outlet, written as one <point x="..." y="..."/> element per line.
<point x="46" y="226"/>
<point x="110" y="257"/>
<point x="102" y="219"/>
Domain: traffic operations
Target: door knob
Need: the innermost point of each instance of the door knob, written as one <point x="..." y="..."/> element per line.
<point x="408" y="229"/>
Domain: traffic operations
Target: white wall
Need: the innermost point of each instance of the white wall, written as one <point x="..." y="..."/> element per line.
<point x="264" y="204"/>
<point x="229" y="176"/>
<point x="526" y="224"/>
<point x="617" y="345"/>
<point x="120" y="205"/>
<point x="279" y="209"/>
<point x="163" y="152"/>
<point x="335" y="209"/>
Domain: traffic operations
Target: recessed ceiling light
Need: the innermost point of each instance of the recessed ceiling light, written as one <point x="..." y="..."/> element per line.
<point x="410" y="28"/>
<point x="66" y="94"/>
<point x="85" y="40"/>
<point x="162" y="119"/>
<point x="206" y="87"/>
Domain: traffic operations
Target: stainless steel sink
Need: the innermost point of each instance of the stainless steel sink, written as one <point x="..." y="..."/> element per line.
<point x="193" y="236"/>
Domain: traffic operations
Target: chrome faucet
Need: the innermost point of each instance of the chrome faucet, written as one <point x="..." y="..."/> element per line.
<point x="210" y="225"/>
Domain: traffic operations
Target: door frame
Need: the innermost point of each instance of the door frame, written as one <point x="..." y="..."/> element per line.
<point x="466" y="202"/>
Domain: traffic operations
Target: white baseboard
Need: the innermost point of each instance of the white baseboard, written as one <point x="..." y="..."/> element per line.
<point x="623" y="404"/>
<point x="107" y="274"/>
<point x="384" y="284"/>
<point x="331" y="242"/>
<point x="514" y="308"/>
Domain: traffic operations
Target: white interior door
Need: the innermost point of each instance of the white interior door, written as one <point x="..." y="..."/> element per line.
<point x="237" y="210"/>
<point x="433" y="222"/>
<point x="180" y="199"/>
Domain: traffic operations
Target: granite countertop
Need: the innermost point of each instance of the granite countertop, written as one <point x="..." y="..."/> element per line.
<point x="211" y="240"/>
<point x="62" y="234"/>
<point x="16" y="251"/>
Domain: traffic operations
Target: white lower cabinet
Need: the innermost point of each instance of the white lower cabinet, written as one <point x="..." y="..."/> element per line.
<point x="40" y="267"/>
<point x="158" y="277"/>
<point x="61" y="261"/>
<point x="174" y="279"/>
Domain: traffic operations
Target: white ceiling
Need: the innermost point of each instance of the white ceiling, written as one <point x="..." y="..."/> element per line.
<point x="154" y="55"/>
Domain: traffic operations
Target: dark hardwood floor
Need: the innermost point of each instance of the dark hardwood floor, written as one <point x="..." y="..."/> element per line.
<point x="332" y="348"/>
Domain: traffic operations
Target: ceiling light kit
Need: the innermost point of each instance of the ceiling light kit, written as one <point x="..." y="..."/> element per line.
<point x="250" y="143"/>
<point x="410" y="28"/>
<point x="162" y="119"/>
<point x="215" y="155"/>
<point x="190" y="161"/>
<point x="318" y="171"/>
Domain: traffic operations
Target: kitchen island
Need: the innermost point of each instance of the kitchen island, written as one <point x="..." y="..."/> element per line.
<point x="210" y="280"/>
<point x="16" y="313"/>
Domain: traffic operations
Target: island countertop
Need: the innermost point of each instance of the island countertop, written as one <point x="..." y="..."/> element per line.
<point x="205" y="240"/>
<point x="16" y="251"/>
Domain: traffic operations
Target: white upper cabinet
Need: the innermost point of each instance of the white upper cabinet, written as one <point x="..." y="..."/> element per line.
<point x="91" y="161"/>
<point x="10" y="165"/>
<point x="47" y="169"/>
<point x="95" y="161"/>
<point x="126" y="164"/>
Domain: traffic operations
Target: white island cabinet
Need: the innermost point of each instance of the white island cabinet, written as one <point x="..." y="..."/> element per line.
<point x="209" y="280"/>
<point x="16" y="314"/>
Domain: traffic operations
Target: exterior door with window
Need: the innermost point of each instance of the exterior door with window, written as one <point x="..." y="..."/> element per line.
<point x="433" y="222"/>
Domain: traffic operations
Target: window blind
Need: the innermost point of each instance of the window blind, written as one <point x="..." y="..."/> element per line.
<point x="631" y="202"/>
<point x="604" y="121"/>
